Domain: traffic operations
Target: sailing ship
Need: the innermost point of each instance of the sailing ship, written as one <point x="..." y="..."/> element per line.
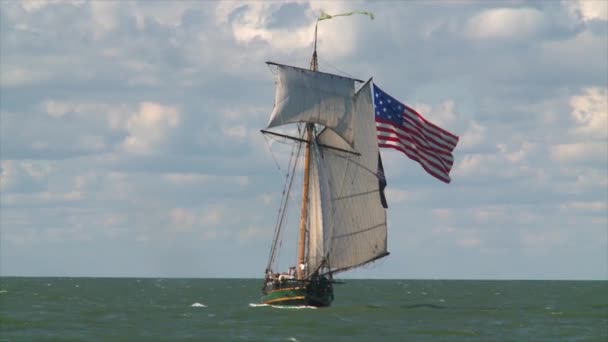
<point x="343" y="209"/>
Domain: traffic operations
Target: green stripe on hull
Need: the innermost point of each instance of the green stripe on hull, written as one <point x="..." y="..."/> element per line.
<point x="286" y="297"/>
<point x="298" y="296"/>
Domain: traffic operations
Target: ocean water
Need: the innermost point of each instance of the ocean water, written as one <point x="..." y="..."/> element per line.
<point x="106" y="309"/>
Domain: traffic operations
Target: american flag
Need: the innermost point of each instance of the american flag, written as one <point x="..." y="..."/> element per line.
<point x="402" y="128"/>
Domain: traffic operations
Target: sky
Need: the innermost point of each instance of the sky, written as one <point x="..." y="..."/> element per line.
<point x="130" y="143"/>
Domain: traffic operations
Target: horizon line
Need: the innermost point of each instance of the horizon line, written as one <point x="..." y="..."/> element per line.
<point x="259" y="278"/>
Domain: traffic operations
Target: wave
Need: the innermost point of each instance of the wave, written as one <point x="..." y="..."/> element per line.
<point x="430" y="306"/>
<point x="289" y="307"/>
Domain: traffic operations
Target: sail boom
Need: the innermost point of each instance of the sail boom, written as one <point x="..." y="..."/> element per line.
<point x="307" y="142"/>
<point x="320" y="72"/>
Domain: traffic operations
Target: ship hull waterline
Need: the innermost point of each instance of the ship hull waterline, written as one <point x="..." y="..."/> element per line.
<point x="298" y="293"/>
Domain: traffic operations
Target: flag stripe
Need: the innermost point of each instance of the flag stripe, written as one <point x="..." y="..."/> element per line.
<point x="402" y="128"/>
<point x="440" y="131"/>
<point x="414" y="138"/>
<point x="430" y="159"/>
<point x="432" y="171"/>
<point x="390" y="135"/>
<point x="382" y="99"/>
<point x="427" y="139"/>
<point x="428" y="133"/>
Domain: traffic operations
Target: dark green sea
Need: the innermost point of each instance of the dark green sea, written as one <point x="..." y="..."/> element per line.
<point x="107" y="309"/>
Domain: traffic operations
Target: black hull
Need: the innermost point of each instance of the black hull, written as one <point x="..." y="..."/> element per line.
<point x="318" y="293"/>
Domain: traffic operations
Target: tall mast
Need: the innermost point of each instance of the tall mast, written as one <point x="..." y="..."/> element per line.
<point x="304" y="213"/>
<point x="314" y="66"/>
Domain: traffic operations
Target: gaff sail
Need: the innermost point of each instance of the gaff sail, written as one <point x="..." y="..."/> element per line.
<point x="313" y="97"/>
<point x="348" y="221"/>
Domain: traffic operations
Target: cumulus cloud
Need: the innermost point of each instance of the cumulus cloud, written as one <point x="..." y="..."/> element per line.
<point x="138" y="122"/>
<point x="250" y="21"/>
<point x="589" y="9"/>
<point x="149" y="127"/>
<point x="517" y="23"/>
<point x="593" y="206"/>
<point x="25" y="176"/>
<point x="182" y="220"/>
<point x="187" y="178"/>
<point x="590" y="112"/>
<point x="579" y="152"/>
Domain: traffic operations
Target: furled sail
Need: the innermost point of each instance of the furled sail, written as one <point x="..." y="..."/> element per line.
<point x="315" y="97"/>
<point x="355" y="231"/>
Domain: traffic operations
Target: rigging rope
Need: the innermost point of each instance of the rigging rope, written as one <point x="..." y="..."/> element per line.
<point x="283" y="208"/>
<point x="266" y="139"/>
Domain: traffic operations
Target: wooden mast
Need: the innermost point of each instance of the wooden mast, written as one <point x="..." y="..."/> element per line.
<point x="304" y="212"/>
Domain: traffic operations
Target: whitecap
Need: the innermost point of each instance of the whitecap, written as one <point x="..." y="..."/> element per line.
<point x="3" y="291"/>
<point x="290" y="307"/>
<point x="292" y="339"/>
<point x="293" y="307"/>
<point x="198" y="305"/>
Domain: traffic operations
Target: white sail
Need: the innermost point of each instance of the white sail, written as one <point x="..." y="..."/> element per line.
<point x="320" y="212"/>
<point x="357" y="231"/>
<point x="316" y="97"/>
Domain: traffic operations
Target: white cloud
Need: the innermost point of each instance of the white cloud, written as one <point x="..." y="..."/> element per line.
<point x="593" y="206"/>
<point x="519" y="154"/>
<point x="236" y="132"/>
<point x="93" y="109"/>
<point x="15" y="76"/>
<point x="56" y="109"/>
<point x="589" y="9"/>
<point x="82" y="181"/>
<point x="252" y="233"/>
<point x="394" y="195"/>
<point x="580" y="152"/>
<point x="149" y="127"/>
<point x="252" y="24"/>
<point x="475" y="135"/>
<point x="444" y="214"/>
<point x="476" y="163"/>
<point x="267" y="198"/>
<point x="194" y="219"/>
<point x="182" y="220"/>
<point x="541" y="242"/>
<point x="590" y="112"/>
<point x="34" y="5"/>
<point x="444" y="115"/>
<point x="213" y="215"/>
<point x="471" y="132"/>
<point x="505" y="23"/>
<point x="469" y="242"/>
<point x="187" y="178"/>
<point x="25" y="175"/>
<point x="104" y="17"/>
<point x="488" y="214"/>
<point x="40" y="198"/>
<point x="254" y="18"/>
